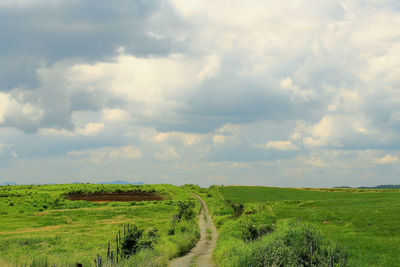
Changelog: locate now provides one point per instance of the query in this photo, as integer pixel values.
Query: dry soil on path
(201, 254)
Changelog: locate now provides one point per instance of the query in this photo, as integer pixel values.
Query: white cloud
(187, 139)
(153, 84)
(55, 132)
(115, 114)
(281, 145)
(92, 128)
(154, 35)
(211, 67)
(168, 154)
(229, 129)
(387, 159)
(4, 102)
(297, 94)
(338, 130)
(312, 160)
(219, 139)
(12, 109)
(108, 153)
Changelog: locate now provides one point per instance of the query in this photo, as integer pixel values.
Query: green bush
(134, 241)
(186, 210)
(253, 232)
(238, 209)
(292, 244)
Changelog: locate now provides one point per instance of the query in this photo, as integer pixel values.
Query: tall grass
(292, 244)
(69, 232)
(362, 222)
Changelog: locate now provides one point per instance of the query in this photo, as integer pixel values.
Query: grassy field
(38, 224)
(364, 223)
(257, 226)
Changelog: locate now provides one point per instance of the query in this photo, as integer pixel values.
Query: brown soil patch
(115, 196)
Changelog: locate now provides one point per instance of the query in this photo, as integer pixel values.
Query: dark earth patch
(116, 196)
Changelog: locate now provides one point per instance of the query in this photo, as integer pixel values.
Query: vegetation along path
(201, 254)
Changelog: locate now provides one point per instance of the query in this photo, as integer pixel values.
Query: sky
(276, 93)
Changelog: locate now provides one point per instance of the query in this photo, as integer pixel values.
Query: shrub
(186, 210)
(292, 244)
(238, 209)
(171, 231)
(253, 232)
(133, 241)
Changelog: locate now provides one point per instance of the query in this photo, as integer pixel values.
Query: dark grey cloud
(89, 30)
(240, 100)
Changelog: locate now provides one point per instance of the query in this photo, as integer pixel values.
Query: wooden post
(108, 251)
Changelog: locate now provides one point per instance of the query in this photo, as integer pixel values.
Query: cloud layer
(291, 93)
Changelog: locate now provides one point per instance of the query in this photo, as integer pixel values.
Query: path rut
(201, 254)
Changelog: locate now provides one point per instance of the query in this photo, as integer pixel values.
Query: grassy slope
(363, 221)
(37, 222)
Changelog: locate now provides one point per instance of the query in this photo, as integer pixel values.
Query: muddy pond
(116, 196)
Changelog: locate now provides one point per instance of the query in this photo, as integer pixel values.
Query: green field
(364, 223)
(257, 226)
(38, 225)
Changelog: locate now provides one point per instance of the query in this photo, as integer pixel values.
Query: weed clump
(292, 244)
(185, 210)
(238, 209)
(253, 232)
(134, 240)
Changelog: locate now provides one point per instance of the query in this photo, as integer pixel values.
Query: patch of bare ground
(201, 254)
(116, 196)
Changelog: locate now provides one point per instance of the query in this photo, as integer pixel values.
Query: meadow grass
(363, 222)
(39, 225)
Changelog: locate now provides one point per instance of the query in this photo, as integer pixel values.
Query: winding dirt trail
(201, 254)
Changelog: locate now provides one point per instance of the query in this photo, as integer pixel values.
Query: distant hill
(387, 186)
(8, 183)
(121, 182)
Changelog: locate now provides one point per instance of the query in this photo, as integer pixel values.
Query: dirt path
(201, 254)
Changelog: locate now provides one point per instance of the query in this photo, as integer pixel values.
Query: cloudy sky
(276, 93)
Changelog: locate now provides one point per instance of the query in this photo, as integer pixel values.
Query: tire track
(201, 254)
